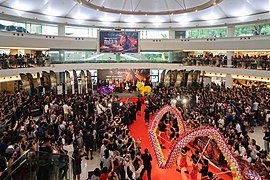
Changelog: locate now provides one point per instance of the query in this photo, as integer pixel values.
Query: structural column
(62, 56)
(231, 30)
(228, 81)
(229, 55)
(171, 34)
(61, 30)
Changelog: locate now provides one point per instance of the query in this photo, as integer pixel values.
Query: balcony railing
(40, 165)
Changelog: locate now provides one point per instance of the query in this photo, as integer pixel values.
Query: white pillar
(231, 30)
(61, 30)
(229, 55)
(171, 34)
(228, 81)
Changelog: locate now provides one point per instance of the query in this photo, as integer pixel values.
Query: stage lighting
(184, 100)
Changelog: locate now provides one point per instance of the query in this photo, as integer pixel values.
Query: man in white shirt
(242, 150)
(100, 109)
(67, 110)
(238, 127)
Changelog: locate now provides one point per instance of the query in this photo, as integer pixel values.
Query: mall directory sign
(118, 42)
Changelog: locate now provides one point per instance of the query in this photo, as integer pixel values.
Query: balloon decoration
(187, 136)
(144, 90)
(107, 90)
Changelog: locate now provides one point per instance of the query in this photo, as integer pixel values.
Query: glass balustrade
(40, 165)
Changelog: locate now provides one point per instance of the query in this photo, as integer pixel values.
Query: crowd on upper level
(101, 123)
(20, 61)
(237, 61)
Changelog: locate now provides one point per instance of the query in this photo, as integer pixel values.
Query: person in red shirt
(183, 162)
(104, 175)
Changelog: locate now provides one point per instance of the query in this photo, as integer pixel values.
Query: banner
(196, 78)
(162, 77)
(173, 78)
(212, 151)
(53, 81)
(75, 80)
(189, 78)
(68, 83)
(25, 83)
(31, 82)
(180, 78)
(125, 75)
(89, 82)
(46, 81)
(83, 82)
(38, 79)
(167, 79)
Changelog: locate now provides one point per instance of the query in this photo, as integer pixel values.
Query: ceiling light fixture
(138, 11)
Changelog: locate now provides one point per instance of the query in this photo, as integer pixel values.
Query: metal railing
(40, 166)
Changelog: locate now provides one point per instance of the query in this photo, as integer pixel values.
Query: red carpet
(139, 130)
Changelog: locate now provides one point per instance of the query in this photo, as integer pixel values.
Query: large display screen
(118, 42)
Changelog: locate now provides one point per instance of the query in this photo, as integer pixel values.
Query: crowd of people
(234, 111)
(237, 61)
(85, 123)
(20, 61)
(91, 123)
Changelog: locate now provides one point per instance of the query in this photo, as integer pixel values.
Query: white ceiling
(72, 12)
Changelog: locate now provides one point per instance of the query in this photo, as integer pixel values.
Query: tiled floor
(90, 165)
(258, 136)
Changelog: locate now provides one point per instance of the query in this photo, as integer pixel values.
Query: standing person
(146, 115)
(147, 158)
(77, 155)
(89, 143)
(139, 106)
(183, 162)
(162, 132)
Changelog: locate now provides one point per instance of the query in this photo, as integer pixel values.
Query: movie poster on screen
(53, 81)
(68, 83)
(46, 81)
(25, 84)
(125, 75)
(89, 82)
(118, 42)
(75, 80)
(31, 82)
(83, 82)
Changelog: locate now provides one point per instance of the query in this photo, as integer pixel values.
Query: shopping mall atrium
(134, 89)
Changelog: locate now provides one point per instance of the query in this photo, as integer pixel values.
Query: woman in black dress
(139, 105)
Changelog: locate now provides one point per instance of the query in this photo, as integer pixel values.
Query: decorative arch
(188, 136)
(154, 126)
